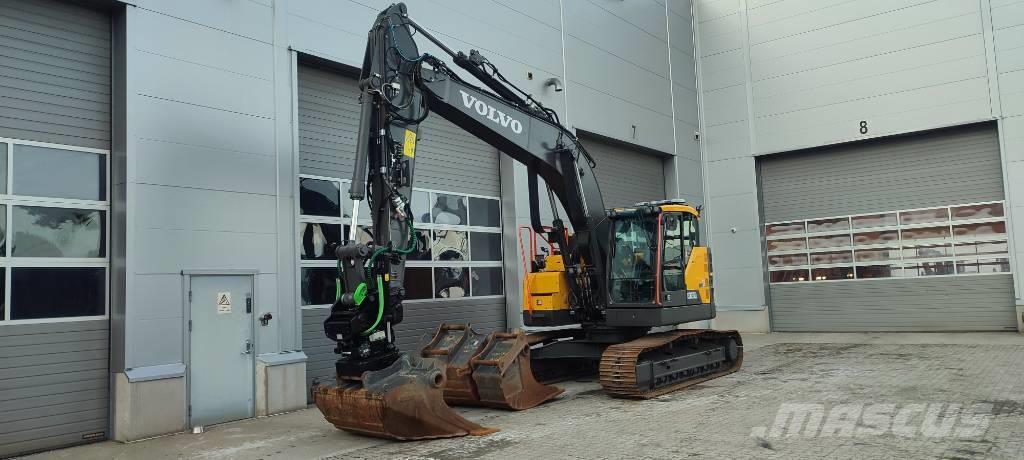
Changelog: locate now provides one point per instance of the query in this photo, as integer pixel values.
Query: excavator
(607, 295)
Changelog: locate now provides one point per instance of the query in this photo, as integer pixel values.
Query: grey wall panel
(1007, 17)
(420, 322)
(626, 176)
(817, 70)
(53, 384)
(958, 303)
(952, 166)
(55, 73)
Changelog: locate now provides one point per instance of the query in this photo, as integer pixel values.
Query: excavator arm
(399, 88)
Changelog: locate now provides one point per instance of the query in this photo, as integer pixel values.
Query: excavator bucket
(403, 402)
(493, 372)
(455, 344)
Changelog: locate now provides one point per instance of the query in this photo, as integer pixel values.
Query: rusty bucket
(502, 373)
(404, 402)
(492, 371)
(454, 345)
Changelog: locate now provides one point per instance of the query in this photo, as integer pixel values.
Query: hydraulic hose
(380, 305)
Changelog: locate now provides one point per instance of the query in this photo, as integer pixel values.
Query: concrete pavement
(973, 379)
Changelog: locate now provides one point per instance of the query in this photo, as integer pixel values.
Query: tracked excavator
(617, 280)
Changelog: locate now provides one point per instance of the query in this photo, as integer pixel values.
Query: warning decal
(409, 149)
(223, 303)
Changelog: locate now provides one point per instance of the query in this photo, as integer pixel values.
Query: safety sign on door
(223, 303)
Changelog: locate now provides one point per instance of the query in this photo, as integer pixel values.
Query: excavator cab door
(683, 260)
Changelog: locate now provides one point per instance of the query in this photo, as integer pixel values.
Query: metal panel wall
(950, 166)
(626, 176)
(940, 168)
(53, 385)
(55, 73)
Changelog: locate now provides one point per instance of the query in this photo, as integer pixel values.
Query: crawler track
(670, 361)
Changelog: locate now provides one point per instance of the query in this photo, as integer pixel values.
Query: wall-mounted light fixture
(555, 82)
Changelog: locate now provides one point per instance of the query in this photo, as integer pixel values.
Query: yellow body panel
(549, 289)
(679, 208)
(698, 275)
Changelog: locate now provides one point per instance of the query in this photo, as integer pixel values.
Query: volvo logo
(491, 113)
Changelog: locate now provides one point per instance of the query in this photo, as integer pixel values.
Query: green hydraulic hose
(380, 305)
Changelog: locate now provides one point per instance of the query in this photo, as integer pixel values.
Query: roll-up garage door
(54, 92)
(899, 234)
(626, 176)
(458, 277)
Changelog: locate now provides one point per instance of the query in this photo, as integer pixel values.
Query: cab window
(678, 240)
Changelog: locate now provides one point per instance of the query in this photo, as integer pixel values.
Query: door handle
(248, 347)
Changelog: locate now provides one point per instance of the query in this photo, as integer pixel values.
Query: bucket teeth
(404, 401)
(493, 371)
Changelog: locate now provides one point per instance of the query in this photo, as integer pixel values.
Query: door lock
(248, 347)
(265, 319)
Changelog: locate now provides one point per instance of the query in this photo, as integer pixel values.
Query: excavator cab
(659, 272)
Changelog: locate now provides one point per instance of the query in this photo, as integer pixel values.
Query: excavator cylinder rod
(403, 402)
(493, 371)
(664, 362)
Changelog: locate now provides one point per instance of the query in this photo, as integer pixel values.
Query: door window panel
(423, 245)
(318, 286)
(978, 211)
(924, 216)
(451, 282)
(449, 209)
(875, 220)
(927, 252)
(833, 241)
(871, 238)
(878, 271)
(828, 225)
(876, 255)
(59, 173)
(58, 232)
(792, 228)
(788, 276)
(450, 245)
(983, 266)
(795, 244)
(484, 212)
(926, 233)
(319, 197)
(485, 246)
(928, 268)
(971, 249)
(785, 260)
(832, 273)
(826, 258)
(315, 240)
(979, 230)
(419, 283)
(486, 280)
(58, 292)
(673, 254)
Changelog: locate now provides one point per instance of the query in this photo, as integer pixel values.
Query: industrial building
(173, 173)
